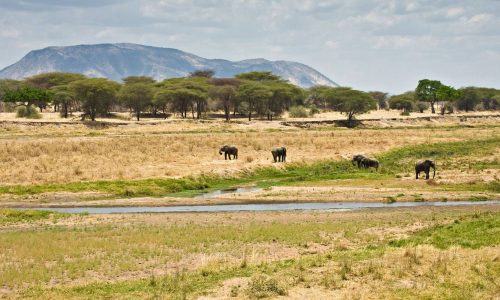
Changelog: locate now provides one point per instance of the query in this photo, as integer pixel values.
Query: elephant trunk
(434, 175)
(220, 152)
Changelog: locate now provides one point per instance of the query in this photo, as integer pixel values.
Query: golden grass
(56, 155)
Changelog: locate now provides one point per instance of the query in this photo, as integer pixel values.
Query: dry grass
(76, 254)
(50, 155)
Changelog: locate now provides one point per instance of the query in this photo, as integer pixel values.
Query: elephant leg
(225, 155)
(426, 174)
(416, 174)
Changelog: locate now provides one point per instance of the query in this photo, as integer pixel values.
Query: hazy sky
(369, 45)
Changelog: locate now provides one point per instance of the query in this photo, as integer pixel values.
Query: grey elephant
(369, 163)
(228, 151)
(279, 154)
(356, 159)
(425, 166)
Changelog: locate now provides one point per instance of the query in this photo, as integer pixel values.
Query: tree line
(252, 94)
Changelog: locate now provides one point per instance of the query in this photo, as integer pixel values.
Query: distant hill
(116, 61)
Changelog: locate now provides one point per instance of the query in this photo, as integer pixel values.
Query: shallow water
(260, 207)
(250, 189)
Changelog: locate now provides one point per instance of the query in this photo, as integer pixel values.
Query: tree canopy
(427, 91)
(97, 95)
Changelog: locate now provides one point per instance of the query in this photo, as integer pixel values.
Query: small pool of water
(249, 189)
(337, 206)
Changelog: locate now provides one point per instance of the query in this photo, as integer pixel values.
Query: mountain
(116, 61)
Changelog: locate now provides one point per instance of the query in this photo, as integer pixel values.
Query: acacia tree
(317, 95)
(380, 97)
(447, 94)
(405, 102)
(138, 79)
(284, 96)
(351, 102)
(97, 95)
(427, 91)
(258, 76)
(185, 94)
(254, 94)
(64, 96)
(137, 96)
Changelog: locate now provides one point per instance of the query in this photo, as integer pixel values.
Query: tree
(380, 97)
(258, 76)
(254, 94)
(138, 79)
(49, 80)
(187, 93)
(97, 95)
(27, 96)
(224, 90)
(136, 95)
(427, 91)
(405, 102)
(317, 95)
(284, 96)
(468, 100)
(490, 98)
(202, 73)
(350, 102)
(447, 94)
(64, 96)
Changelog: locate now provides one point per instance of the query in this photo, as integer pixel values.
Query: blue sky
(369, 45)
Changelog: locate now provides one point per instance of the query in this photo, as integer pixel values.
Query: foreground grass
(393, 163)
(449, 260)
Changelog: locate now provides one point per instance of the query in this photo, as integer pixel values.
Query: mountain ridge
(118, 60)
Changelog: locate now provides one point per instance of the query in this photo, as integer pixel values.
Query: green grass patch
(8, 215)
(473, 232)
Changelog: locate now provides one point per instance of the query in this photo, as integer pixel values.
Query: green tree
(187, 93)
(468, 100)
(138, 79)
(447, 94)
(405, 102)
(65, 97)
(254, 95)
(351, 102)
(380, 97)
(490, 98)
(202, 73)
(224, 91)
(49, 80)
(284, 95)
(317, 95)
(97, 95)
(136, 96)
(427, 91)
(162, 98)
(258, 76)
(27, 96)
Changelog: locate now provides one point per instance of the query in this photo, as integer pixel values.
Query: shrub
(263, 286)
(313, 110)
(422, 106)
(29, 112)
(298, 112)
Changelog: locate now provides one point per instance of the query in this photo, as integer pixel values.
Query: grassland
(410, 253)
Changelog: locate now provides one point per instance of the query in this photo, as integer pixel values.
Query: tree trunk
(432, 107)
(250, 116)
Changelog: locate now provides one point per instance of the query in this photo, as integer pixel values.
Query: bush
(298, 112)
(28, 112)
(313, 110)
(422, 106)
(262, 286)
(405, 113)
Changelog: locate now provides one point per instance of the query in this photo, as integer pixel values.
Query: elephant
(228, 151)
(368, 162)
(356, 159)
(425, 166)
(279, 154)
